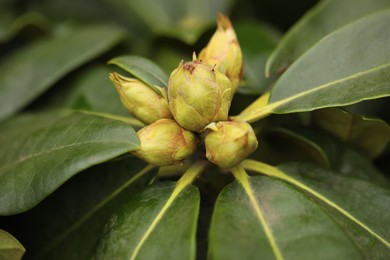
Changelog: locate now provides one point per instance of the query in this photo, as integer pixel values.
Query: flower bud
(164, 142)
(230, 142)
(223, 50)
(198, 95)
(140, 100)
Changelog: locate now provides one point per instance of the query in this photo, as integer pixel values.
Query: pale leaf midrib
(240, 174)
(187, 178)
(274, 172)
(34, 155)
(98, 206)
(273, 105)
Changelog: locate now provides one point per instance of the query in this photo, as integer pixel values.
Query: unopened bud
(165, 143)
(223, 50)
(230, 142)
(198, 95)
(140, 100)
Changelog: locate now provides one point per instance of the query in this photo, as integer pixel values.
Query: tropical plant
(183, 176)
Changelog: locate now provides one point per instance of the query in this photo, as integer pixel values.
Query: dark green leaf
(69, 223)
(305, 145)
(10, 248)
(143, 69)
(354, 213)
(44, 150)
(281, 144)
(299, 227)
(323, 19)
(29, 72)
(185, 20)
(257, 40)
(343, 159)
(369, 135)
(155, 224)
(90, 90)
(10, 26)
(337, 71)
(348, 66)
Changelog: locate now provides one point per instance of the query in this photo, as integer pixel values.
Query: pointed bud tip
(223, 22)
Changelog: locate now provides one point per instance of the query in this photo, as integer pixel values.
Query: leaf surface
(27, 73)
(323, 19)
(355, 210)
(172, 236)
(369, 135)
(182, 19)
(143, 69)
(277, 220)
(44, 150)
(346, 67)
(257, 40)
(69, 224)
(159, 223)
(10, 248)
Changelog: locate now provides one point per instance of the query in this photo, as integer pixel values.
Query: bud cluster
(196, 104)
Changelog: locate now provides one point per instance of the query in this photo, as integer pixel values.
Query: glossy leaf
(10, 248)
(143, 69)
(30, 71)
(69, 223)
(256, 40)
(354, 208)
(44, 150)
(182, 19)
(326, 17)
(338, 71)
(158, 223)
(368, 135)
(173, 236)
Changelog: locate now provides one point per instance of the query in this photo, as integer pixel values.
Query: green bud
(165, 143)
(223, 50)
(198, 95)
(140, 100)
(230, 142)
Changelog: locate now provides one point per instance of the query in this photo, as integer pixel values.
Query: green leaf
(158, 223)
(10, 26)
(368, 135)
(144, 70)
(257, 40)
(27, 73)
(182, 19)
(329, 153)
(172, 218)
(324, 18)
(44, 150)
(282, 144)
(91, 90)
(354, 212)
(69, 223)
(348, 66)
(10, 248)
